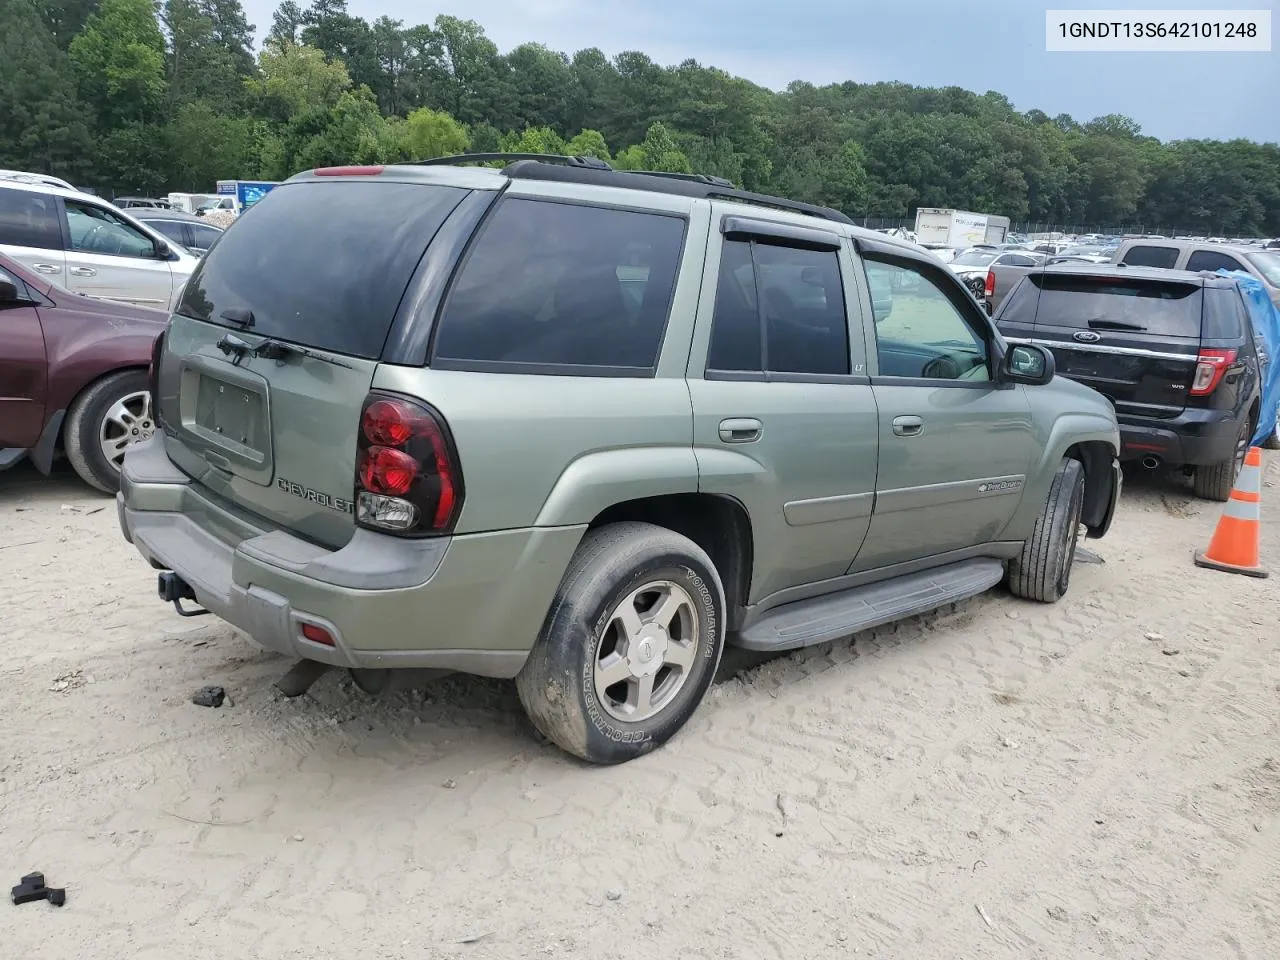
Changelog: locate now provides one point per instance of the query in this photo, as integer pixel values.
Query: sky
(980, 45)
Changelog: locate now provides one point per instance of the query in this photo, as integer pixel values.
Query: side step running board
(822, 619)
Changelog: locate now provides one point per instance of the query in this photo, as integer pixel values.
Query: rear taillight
(1210, 367)
(153, 374)
(989, 288)
(407, 476)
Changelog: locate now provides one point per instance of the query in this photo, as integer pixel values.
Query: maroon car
(73, 376)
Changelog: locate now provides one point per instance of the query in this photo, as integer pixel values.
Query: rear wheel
(1042, 571)
(630, 645)
(1214, 481)
(1273, 442)
(103, 422)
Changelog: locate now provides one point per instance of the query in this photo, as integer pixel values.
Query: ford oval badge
(1086, 336)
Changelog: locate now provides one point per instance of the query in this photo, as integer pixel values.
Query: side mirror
(163, 250)
(8, 292)
(1029, 364)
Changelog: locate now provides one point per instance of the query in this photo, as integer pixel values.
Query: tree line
(131, 96)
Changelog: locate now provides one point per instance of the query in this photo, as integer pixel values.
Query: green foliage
(430, 133)
(43, 126)
(119, 61)
(145, 95)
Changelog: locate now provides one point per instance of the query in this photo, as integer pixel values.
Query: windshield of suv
(975, 258)
(321, 264)
(1125, 305)
(1268, 265)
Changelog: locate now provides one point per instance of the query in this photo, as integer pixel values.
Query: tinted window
(564, 284)
(170, 229)
(202, 236)
(322, 264)
(974, 259)
(1137, 306)
(97, 230)
(1212, 260)
(29, 220)
(925, 334)
(779, 309)
(1019, 307)
(1224, 313)
(1141, 256)
(1018, 260)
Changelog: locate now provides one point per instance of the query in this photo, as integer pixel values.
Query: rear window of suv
(563, 287)
(323, 265)
(1120, 304)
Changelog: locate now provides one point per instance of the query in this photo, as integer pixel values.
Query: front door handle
(83, 272)
(47, 268)
(740, 430)
(908, 426)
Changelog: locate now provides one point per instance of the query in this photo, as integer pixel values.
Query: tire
(584, 642)
(98, 417)
(1042, 571)
(1273, 442)
(1214, 481)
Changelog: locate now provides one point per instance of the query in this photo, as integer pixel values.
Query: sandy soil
(1099, 778)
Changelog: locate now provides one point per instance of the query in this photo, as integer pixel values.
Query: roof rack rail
(589, 163)
(592, 170)
(692, 177)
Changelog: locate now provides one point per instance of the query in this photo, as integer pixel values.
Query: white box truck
(959, 228)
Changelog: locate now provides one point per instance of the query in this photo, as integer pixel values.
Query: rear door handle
(83, 272)
(740, 430)
(908, 426)
(47, 268)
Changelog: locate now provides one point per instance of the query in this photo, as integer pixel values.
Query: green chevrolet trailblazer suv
(582, 428)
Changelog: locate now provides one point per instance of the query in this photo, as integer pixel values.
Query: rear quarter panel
(84, 341)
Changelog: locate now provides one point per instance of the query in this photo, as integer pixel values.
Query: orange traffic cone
(1234, 547)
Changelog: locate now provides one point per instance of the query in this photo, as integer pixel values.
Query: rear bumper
(1195, 438)
(471, 603)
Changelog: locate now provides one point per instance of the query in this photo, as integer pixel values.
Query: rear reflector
(317, 634)
(1211, 365)
(371, 171)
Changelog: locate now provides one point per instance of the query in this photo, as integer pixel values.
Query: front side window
(924, 334)
(171, 229)
(95, 230)
(1268, 264)
(779, 310)
(1213, 261)
(29, 219)
(565, 285)
(1147, 256)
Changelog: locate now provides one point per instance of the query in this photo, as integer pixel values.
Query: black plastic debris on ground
(209, 697)
(32, 888)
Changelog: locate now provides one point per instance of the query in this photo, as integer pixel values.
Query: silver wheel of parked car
(109, 415)
(645, 653)
(126, 421)
(630, 645)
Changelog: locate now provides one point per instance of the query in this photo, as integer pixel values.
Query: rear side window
(779, 309)
(322, 265)
(1019, 307)
(1224, 314)
(1212, 260)
(1148, 256)
(1120, 305)
(563, 285)
(29, 220)
(170, 228)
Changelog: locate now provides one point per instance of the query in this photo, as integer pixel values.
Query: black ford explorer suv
(1173, 351)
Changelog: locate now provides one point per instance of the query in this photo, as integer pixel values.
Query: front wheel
(630, 645)
(103, 422)
(1042, 571)
(1273, 442)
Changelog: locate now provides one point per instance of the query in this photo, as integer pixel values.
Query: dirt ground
(1099, 778)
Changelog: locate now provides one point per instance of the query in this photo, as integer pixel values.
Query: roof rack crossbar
(591, 163)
